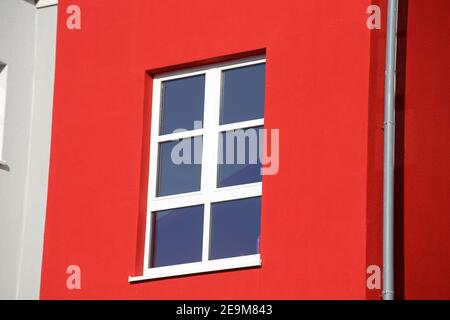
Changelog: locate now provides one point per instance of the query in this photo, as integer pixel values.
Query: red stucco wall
(324, 93)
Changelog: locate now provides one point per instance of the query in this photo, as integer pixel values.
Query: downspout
(389, 144)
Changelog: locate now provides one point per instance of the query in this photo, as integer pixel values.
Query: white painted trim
(199, 267)
(3, 90)
(153, 168)
(46, 3)
(241, 125)
(221, 65)
(209, 193)
(241, 63)
(184, 74)
(196, 198)
(180, 135)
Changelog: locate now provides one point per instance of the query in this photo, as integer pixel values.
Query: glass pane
(179, 166)
(182, 103)
(243, 91)
(239, 157)
(235, 228)
(177, 236)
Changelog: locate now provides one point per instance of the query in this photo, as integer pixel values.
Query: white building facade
(27, 68)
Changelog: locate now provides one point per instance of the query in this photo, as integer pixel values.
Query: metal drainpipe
(389, 144)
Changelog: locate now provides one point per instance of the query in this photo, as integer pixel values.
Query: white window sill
(199, 267)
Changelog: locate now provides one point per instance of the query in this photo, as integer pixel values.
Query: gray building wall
(27, 46)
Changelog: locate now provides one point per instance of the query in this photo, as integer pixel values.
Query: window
(3, 78)
(204, 193)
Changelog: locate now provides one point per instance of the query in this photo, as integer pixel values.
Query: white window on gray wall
(3, 82)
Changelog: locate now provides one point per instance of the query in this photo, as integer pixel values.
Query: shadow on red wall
(399, 221)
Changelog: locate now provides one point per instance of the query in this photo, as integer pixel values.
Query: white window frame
(209, 192)
(3, 89)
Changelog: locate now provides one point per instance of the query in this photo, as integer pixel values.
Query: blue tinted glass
(239, 157)
(182, 103)
(235, 228)
(243, 91)
(177, 236)
(179, 166)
